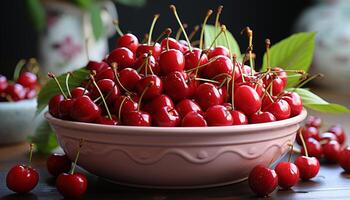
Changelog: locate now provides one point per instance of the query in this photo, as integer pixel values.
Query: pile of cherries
(314, 147)
(173, 83)
(23, 87)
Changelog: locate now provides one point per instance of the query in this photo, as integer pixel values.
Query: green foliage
(37, 14)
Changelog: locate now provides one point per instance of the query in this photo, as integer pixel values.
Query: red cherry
(108, 88)
(281, 74)
(145, 48)
(267, 101)
(307, 132)
(193, 119)
(16, 91)
(159, 102)
(128, 105)
(137, 118)
(64, 108)
(313, 121)
(194, 59)
(84, 110)
(247, 100)
(207, 95)
(326, 137)
(30, 93)
(78, 92)
(122, 56)
(71, 186)
(154, 90)
(218, 51)
(262, 117)
(97, 66)
(146, 63)
(28, 80)
(277, 84)
(129, 77)
(3, 83)
(166, 117)
(238, 117)
(105, 120)
(280, 109)
(331, 151)
(262, 180)
(173, 44)
(54, 104)
(308, 167)
(288, 174)
(185, 106)
(314, 148)
(295, 103)
(58, 163)
(221, 65)
(171, 60)
(129, 41)
(175, 86)
(339, 132)
(105, 74)
(218, 115)
(22, 179)
(344, 159)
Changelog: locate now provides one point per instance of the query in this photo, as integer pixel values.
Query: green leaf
(96, 21)
(36, 13)
(83, 3)
(50, 89)
(210, 34)
(314, 102)
(136, 3)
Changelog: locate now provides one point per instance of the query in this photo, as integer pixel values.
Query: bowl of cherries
(17, 105)
(172, 114)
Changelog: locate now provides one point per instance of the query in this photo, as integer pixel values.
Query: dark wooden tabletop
(331, 183)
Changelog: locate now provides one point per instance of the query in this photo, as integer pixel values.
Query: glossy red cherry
(308, 166)
(129, 41)
(64, 108)
(97, 66)
(262, 180)
(154, 90)
(16, 92)
(71, 186)
(280, 109)
(247, 100)
(30, 93)
(175, 86)
(344, 159)
(261, 117)
(146, 64)
(3, 83)
(28, 80)
(159, 102)
(276, 83)
(108, 88)
(193, 119)
(137, 118)
(282, 74)
(194, 59)
(173, 44)
(171, 60)
(54, 104)
(238, 117)
(326, 137)
(307, 132)
(22, 179)
(185, 106)
(219, 51)
(129, 77)
(166, 117)
(122, 56)
(58, 163)
(339, 132)
(84, 110)
(78, 92)
(220, 65)
(314, 148)
(105, 74)
(207, 95)
(105, 120)
(288, 174)
(313, 121)
(295, 103)
(331, 151)
(125, 104)
(218, 115)
(145, 48)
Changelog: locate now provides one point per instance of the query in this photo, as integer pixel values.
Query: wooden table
(331, 182)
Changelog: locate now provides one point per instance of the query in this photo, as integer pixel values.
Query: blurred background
(20, 38)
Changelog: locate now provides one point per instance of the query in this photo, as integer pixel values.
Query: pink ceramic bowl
(175, 157)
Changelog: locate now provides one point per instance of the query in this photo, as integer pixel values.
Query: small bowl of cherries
(18, 103)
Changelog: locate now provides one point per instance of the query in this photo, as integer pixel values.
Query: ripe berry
(238, 117)
(344, 159)
(129, 41)
(193, 119)
(195, 58)
(16, 91)
(313, 121)
(262, 117)
(219, 51)
(218, 115)
(247, 100)
(262, 180)
(171, 60)
(54, 104)
(339, 132)
(22, 179)
(108, 88)
(145, 48)
(154, 90)
(64, 108)
(97, 66)
(308, 167)
(207, 95)
(3, 83)
(166, 117)
(280, 109)
(71, 186)
(331, 151)
(314, 148)
(173, 44)
(84, 110)
(215, 70)
(295, 103)
(175, 86)
(159, 102)
(122, 56)
(129, 77)
(185, 106)
(58, 163)
(288, 174)
(307, 132)
(28, 80)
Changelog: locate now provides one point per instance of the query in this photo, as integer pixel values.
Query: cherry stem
(143, 93)
(223, 29)
(203, 28)
(19, 66)
(165, 32)
(101, 95)
(222, 74)
(308, 80)
(155, 18)
(117, 28)
(233, 82)
(268, 43)
(179, 31)
(173, 8)
(219, 10)
(145, 38)
(303, 142)
(208, 63)
(51, 75)
(120, 107)
(227, 43)
(77, 156)
(290, 152)
(114, 67)
(86, 86)
(193, 33)
(167, 39)
(31, 148)
(206, 80)
(67, 84)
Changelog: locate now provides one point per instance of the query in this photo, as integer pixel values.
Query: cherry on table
(331, 150)
(307, 132)
(193, 119)
(314, 121)
(326, 137)
(288, 174)
(339, 132)
(314, 148)
(344, 158)
(58, 163)
(308, 166)
(262, 180)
